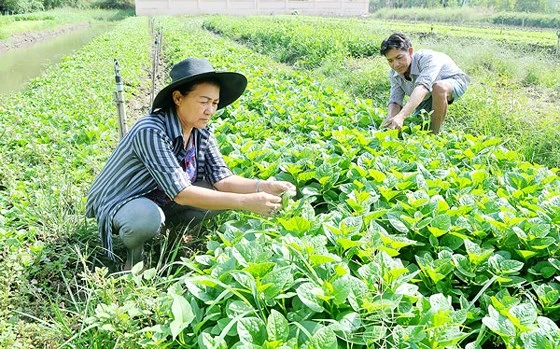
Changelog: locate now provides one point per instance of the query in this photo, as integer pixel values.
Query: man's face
(399, 60)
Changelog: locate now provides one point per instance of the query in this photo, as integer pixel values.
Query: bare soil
(139, 104)
(29, 38)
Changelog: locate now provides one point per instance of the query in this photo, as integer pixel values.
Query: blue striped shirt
(148, 156)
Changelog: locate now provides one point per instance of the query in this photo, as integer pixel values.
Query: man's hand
(395, 122)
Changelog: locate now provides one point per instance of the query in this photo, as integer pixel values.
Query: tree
(531, 5)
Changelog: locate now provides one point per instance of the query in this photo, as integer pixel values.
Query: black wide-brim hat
(232, 85)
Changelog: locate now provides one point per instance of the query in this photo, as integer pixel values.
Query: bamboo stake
(156, 51)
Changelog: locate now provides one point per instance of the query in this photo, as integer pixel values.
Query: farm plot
(510, 96)
(23, 29)
(394, 240)
(55, 136)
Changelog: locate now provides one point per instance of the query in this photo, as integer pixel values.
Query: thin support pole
(155, 61)
(558, 44)
(119, 101)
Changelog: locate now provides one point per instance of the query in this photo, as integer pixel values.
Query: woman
(167, 167)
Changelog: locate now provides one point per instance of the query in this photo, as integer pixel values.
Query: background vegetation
(46, 20)
(470, 15)
(26, 6)
(548, 6)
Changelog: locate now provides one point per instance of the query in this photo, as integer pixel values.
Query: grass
(460, 15)
(52, 19)
(44, 236)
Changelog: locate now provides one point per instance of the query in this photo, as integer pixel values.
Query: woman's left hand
(277, 187)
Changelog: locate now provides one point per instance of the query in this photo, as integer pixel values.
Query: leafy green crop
(393, 239)
(55, 135)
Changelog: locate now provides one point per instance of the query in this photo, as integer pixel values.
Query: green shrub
(115, 4)
(539, 20)
(21, 6)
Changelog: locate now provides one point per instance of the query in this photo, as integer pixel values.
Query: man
(431, 79)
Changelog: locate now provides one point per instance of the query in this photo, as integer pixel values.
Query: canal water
(19, 65)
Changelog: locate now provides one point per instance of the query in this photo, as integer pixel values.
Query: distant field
(16, 24)
(511, 96)
(476, 16)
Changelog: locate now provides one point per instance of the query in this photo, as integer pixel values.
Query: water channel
(19, 65)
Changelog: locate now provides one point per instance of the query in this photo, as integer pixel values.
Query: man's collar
(414, 69)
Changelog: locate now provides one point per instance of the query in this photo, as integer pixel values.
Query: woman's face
(197, 106)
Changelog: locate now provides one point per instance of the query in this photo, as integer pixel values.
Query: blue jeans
(141, 219)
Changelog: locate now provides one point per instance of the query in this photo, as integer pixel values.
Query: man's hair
(397, 41)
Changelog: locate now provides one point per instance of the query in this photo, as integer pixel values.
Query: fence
(252, 7)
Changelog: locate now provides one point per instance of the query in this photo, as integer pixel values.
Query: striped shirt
(149, 157)
(427, 67)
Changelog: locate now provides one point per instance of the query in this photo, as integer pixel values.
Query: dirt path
(139, 104)
(29, 38)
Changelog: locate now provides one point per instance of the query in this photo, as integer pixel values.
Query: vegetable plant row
(56, 134)
(303, 38)
(394, 240)
(499, 97)
(296, 40)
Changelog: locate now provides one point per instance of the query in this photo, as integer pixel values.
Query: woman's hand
(277, 187)
(263, 203)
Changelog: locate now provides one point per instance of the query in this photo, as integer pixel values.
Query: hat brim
(232, 86)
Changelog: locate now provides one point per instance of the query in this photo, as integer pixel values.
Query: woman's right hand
(263, 203)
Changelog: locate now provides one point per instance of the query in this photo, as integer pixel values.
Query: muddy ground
(30, 38)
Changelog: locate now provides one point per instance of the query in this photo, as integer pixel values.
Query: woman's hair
(191, 85)
(397, 41)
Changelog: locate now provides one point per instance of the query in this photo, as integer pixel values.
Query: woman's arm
(240, 185)
(262, 203)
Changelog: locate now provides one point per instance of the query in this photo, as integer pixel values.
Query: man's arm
(414, 101)
(396, 120)
(394, 109)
